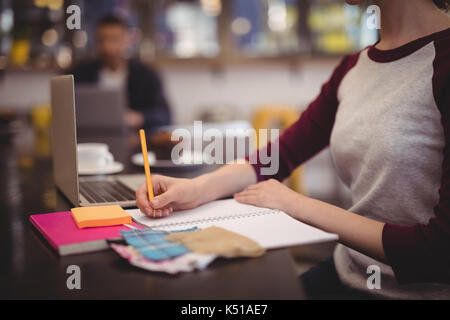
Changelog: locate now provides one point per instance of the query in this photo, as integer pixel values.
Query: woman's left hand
(269, 194)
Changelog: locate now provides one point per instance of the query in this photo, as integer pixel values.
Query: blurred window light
(212, 7)
(50, 4)
(186, 31)
(270, 27)
(277, 16)
(241, 26)
(40, 3)
(6, 20)
(338, 28)
(64, 57)
(55, 4)
(49, 37)
(187, 28)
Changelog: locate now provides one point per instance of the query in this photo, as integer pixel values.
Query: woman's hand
(170, 194)
(180, 194)
(270, 194)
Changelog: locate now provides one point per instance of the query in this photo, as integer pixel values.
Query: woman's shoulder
(346, 63)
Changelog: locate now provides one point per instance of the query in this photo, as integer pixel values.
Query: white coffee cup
(94, 155)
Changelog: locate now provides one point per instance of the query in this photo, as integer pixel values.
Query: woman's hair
(443, 4)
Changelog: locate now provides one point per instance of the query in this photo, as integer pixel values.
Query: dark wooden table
(31, 269)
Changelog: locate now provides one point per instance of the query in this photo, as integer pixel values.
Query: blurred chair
(41, 116)
(279, 117)
(20, 52)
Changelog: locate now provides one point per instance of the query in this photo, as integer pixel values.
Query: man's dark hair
(443, 4)
(112, 20)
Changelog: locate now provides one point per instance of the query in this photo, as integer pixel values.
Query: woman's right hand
(170, 194)
(181, 194)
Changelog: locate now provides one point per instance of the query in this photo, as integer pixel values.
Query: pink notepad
(66, 238)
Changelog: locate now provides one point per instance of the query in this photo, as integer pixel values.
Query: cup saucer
(114, 167)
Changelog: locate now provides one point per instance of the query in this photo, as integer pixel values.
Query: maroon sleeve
(311, 133)
(421, 253)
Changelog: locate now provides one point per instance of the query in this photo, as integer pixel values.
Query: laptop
(93, 102)
(81, 191)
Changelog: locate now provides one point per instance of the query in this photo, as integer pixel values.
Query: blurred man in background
(147, 105)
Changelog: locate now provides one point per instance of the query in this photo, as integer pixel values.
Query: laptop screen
(64, 137)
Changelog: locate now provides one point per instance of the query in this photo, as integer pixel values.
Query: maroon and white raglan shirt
(386, 116)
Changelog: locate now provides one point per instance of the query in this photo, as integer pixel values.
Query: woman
(385, 113)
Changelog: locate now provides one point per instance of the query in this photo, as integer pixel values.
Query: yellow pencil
(146, 165)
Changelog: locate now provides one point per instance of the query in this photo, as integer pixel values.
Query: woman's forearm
(357, 232)
(225, 181)
(360, 233)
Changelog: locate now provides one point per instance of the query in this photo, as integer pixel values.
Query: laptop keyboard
(106, 191)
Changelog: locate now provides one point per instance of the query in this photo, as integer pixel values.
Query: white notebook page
(270, 228)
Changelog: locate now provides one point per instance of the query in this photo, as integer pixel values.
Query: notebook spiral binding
(220, 218)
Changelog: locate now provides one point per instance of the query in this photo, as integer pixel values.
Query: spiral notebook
(270, 228)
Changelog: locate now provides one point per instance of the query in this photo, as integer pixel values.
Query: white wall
(241, 88)
(19, 90)
(192, 90)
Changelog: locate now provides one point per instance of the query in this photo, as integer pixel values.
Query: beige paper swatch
(219, 241)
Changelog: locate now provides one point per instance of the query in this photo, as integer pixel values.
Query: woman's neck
(404, 21)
